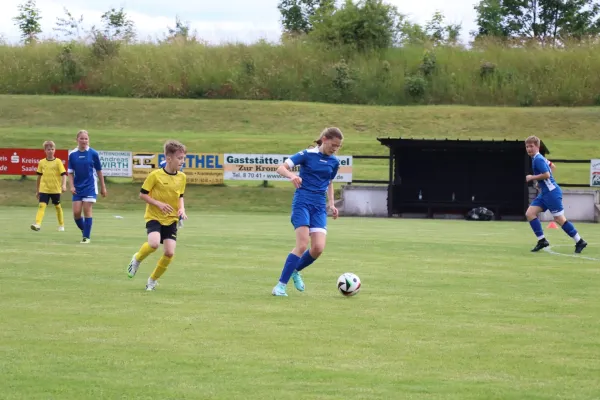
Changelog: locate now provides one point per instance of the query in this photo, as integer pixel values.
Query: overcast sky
(215, 21)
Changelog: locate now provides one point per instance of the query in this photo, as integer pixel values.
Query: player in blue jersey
(84, 172)
(318, 167)
(549, 198)
(162, 164)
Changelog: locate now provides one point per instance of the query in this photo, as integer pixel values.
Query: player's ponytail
(329, 133)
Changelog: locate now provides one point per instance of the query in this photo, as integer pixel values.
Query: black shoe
(579, 246)
(540, 245)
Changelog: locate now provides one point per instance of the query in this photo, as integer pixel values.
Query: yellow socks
(144, 252)
(40, 213)
(161, 267)
(59, 215)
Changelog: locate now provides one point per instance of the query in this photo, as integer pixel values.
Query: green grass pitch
(448, 310)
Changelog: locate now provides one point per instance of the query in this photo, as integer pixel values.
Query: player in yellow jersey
(51, 182)
(163, 192)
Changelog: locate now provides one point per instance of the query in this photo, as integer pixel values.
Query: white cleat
(151, 285)
(61, 228)
(35, 227)
(133, 266)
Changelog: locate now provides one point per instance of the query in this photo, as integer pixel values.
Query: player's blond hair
(49, 143)
(81, 132)
(173, 146)
(329, 133)
(533, 140)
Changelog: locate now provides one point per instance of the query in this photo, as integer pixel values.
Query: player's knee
(317, 249)
(169, 253)
(154, 244)
(301, 247)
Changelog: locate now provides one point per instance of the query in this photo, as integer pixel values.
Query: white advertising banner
(263, 167)
(116, 163)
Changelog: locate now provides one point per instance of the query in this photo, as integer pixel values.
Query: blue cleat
(298, 282)
(279, 290)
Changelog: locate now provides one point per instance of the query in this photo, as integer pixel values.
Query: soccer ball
(348, 284)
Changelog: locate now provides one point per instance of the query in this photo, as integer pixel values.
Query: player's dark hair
(329, 133)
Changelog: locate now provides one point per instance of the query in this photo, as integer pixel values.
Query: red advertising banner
(25, 161)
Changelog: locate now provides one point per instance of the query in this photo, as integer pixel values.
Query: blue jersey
(83, 165)
(541, 165)
(164, 162)
(317, 170)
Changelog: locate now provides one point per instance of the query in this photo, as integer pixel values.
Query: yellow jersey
(51, 172)
(166, 188)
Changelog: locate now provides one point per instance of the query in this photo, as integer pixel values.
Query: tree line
(367, 24)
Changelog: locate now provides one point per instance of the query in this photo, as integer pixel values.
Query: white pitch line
(550, 251)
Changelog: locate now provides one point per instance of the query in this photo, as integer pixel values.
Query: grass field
(448, 310)
(286, 127)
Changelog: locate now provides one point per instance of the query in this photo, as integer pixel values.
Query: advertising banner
(199, 168)
(142, 165)
(25, 161)
(263, 167)
(595, 172)
(116, 163)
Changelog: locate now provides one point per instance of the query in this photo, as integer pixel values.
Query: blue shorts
(550, 201)
(88, 198)
(312, 215)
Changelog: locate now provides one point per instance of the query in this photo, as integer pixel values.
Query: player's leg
(60, 217)
(318, 234)
(77, 209)
(169, 239)
(153, 228)
(537, 206)
(88, 204)
(558, 212)
(300, 219)
(39, 216)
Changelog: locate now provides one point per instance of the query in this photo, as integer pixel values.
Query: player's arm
(40, 172)
(181, 211)
(145, 195)
(540, 165)
(37, 185)
(98, 168)
(70, 173)
(181, 203)
(63, 177)
(331, 193)
(285, 169)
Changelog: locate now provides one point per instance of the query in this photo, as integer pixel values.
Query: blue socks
(568, 227)
(79, 223)
(288, 268)
(305, 261)
(536, 226)
(570, 230)
(87, 227)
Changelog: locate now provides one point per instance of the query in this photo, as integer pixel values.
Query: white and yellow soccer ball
(348, 284)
